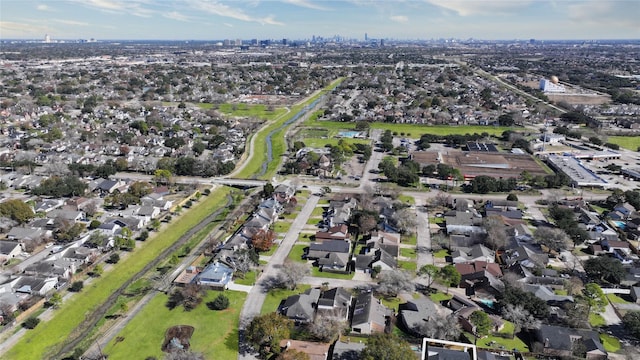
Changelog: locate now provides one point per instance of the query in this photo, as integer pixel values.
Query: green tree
(55, 300)
(449, 276)
(113, 258)
(482, 323)
(76, 286)
(162, 176)
(631, 321)
(604, 268)
(594, 296)
(267, 190)
(266, 331)
(387, 347)
(430, 272)
(221, 302)
(16, 210)
(198, 147)
(31, 323)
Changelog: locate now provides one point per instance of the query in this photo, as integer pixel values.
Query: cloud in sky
(485, 7)
(43, 7)
(220, 9)
(176, 16)
(71, 22)
(134, 7)
(399, 18)
(306, 4)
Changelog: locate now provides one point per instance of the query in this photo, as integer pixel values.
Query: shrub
(219, 303)
(76, 286)
(31, 323)
(114, 258)
(512, 197)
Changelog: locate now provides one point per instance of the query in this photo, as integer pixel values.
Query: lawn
(282, 227)
(441, 254)
(611, 344)
(318, 211)
(245, 110)
(628, 142)
(315, 272)
(296, 253)
(616, 299)
(392, 303)
(407, 199)
(270, 251)
(215, 335)
(409, 239)
(249, 278)
(324, 202)
(48, 337)
(596, 320)
(408, 252)
(497, 342)
(410, 266)
(275, 296)
(259, 155)
(439, 296)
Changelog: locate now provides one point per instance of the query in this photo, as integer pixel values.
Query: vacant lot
(628, 142)
(215, 335)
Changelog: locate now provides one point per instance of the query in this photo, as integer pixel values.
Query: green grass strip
(42, 341)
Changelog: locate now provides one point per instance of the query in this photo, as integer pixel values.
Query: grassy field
(275, 296)
(497, 342)
(392, 303)
(245, 110)
(628, 142)
(413, 131)
(278, 146)
(441, 254)
(407, 199)
(596, 320)
(296, 253)
(610, 343)
(318, 211)
(45, 339)
(320, 143)
(215, 334)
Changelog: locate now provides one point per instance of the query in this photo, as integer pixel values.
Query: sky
(302, 19)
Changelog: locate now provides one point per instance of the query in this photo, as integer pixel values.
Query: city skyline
(302, 19)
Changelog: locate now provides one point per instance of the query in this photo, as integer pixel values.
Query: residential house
(283, 193)
(413, 314)
(340, 209)
(625, 209)
(67, 215)
(62, 268)
(22, 234)
(80, 254)
(335, 302)
(439, 353)
(524, 255)
(47, 205)
(314, 350)
(215, 275)
(546, 294)
(387, 241)
(369, 315)
(347, 350)
(561, 341)
(339, 232)
(463, 222)
(107, 186)
(318, 250)
(9, 250)
(613, 246)
(480, 275)
(34, 285)
(477, 252)
(301, 308)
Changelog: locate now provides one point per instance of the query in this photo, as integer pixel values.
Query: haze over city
(302, 19)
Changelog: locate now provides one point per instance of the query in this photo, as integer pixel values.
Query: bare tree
(553, 238)
(327, 328)
(520, 318)
(441, 199)
(292, 273)
(393, 282)
(496, 232)
(442, 327)
(405, 220)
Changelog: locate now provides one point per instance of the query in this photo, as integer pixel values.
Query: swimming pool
(487, 302)
(619, 224)
(349, 134)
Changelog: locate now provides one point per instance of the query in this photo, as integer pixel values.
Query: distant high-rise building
(285, 42)
(366, 37)
(47, 38)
